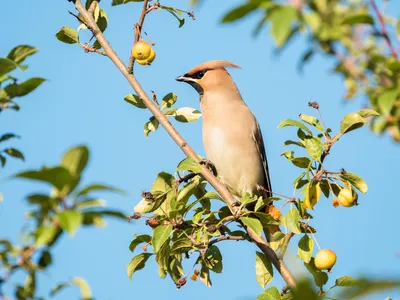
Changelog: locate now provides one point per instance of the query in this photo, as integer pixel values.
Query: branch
(383, 28)
(180, 141)
(220, 239)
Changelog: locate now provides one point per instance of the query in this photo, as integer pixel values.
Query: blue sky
(82, 103)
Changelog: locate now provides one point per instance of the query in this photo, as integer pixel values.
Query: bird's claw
(208, 163)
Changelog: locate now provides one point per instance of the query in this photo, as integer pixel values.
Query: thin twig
(384, 32)
(184, 146)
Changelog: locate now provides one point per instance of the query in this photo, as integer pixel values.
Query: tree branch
(180, 141)
(383, 28)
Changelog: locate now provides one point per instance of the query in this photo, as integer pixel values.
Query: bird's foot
(208, 163)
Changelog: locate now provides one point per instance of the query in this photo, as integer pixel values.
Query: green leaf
(281, 20)
(168, 100)
(187, 114)
(312, 194)
(295, 123)
(253, 224)
(213, 259)
(20, 53)
(345, 281)
(306, 245)
(86, 293)
(301, 162)
(241, 11)
(137, 263)
(181, 245)
(100, 187)
(45, 235)
(70, 220)
(14, 153)
(22, 89)
(356, 181)
(313, 121)
(189, 164)
(320, 278)
(314, 147)
(271, 293)
(67, 35)
(144, 238)
(8, 136)
(277, 236)
(176, 13)
(45, 259)
(351, 122)
(359, 19)
(57, 176)
(135, 100)
(160, 236)
(264, 271)
(386, 101)
(365, 113)
(75, 160)
(365, 287)
(90, 203)
(102, 20)
(150, 126)
(6, 66)
(292, 221)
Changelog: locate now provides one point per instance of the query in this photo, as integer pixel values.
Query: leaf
(277, 236)
(75, 160)
(187, 114)
(351, 122)
(365, 113)
(213, 259)
(241, 11)
(150, 126)
(313, 121)
(45, 259)
(45, 235)
(189, 164)
(86, 293)
(312, 195)
(70, 220)
(365, 287)
(102, 20)
(144, 238)
(90, 203)
(57, 176)
(137, 263)
(301, 162)
(22, 89)
(205, 276)
(135, 100)
(281, 20)
(14, 153)
(271, 293)
(306, 245)
(252, 223)
(386, 101)
(356, 181)
(168, 100)
(99, 187)
(320, 278)
(6, 66)
(176, 13)
(264, 271)
(314, 147)
(20, 53)
(295, 123)
(345, 281)
(358, 19)
(292, 221)
(67, 35)
(160, 236)
(8, 136)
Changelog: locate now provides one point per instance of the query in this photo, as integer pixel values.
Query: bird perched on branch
(231, 134)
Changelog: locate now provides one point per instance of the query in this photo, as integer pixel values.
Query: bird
(232, 137)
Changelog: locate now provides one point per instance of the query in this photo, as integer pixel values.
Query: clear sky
(82, 102)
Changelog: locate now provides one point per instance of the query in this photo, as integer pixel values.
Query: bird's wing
(258, 139)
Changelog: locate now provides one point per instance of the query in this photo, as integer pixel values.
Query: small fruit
(325, 259)
(335, 202)
(152, 56)
(142, 62)
(347, 197)
(141, 50)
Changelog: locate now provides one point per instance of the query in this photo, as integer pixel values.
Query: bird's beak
(181, 78)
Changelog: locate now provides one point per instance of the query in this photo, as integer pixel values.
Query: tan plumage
(231, 135)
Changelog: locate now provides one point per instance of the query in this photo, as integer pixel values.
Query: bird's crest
(213, 65)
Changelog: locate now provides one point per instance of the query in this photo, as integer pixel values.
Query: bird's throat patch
(197, 87)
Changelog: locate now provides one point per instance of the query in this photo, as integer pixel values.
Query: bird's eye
(200, 74)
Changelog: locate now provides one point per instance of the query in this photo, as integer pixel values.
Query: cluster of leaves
(357, 36)
(63, 210)
(183, 114)
(187, 222)
(11, 88)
